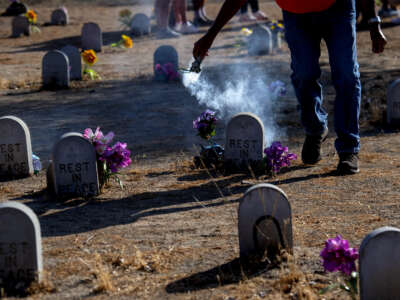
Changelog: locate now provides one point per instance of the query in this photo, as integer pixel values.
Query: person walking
(306, 24)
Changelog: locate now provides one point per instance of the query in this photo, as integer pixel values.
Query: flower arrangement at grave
(212, 154)
(125, 42)
(277, 26)
(32, 19)
(125, 17)
(168, 70)
(241, 40)
(37, 165)
(277, 157)
(338, 256)
(110, 159)
(90, 58)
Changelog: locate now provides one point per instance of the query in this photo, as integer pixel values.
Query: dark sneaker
(311, 153)
(348, 164)
(199, 22)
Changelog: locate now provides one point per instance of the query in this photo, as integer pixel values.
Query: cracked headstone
(92, 37)
(60, 17)
(265, 221)
(20, 245)
(140, 25)
(55, 70)
(393, 103)
(380, 264)
(260, 41)
(15, 148)
(75, 61)
(20, 25)
(73, 171)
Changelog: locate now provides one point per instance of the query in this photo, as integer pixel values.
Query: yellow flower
(126, 13)
(32, 17)
(246, 31)
(89, 57)
(127, 41)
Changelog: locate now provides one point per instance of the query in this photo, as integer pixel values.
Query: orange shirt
(305, 6)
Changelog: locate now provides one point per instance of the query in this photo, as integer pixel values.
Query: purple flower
(98, 139)
(277, 88)
(337, 256)
(117, 157)
(168, 70)
(205, 124)
(278, 157)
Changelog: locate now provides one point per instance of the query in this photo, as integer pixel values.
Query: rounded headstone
(15, 9)
(380, 265)
(74, 167)
(260, 41)
(244, 139)
(55, 69)
(265, 221)
(20, 25)
(15, 148)
(20, 245)
(165, 55)
(393, 103)
(92, 37)
(75, 61)
(60, 17)
(140, 25)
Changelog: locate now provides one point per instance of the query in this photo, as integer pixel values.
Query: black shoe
(311, 153)
(348, 164)
(202, 22)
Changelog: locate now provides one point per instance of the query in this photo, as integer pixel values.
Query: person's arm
(377, 37)
(228, 10)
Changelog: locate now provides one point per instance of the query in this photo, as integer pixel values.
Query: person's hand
(378, 39)
(201, 47)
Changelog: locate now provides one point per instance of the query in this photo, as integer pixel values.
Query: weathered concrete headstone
(20, 245)
(165, 55)
(60, 17)
(74, 167)
(55, 69)
(244, 139)
(260, 41)
(380, 265)
(140, 25)
(393, 103)
(15, 9)
(15, 148)
(75, 61)
(92, 37)
(20, 25)
(265, 221)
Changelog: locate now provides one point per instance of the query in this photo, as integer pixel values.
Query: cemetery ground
(171, 233)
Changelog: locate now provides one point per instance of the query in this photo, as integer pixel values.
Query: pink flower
(98, 139)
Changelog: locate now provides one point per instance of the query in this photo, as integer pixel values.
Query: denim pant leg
(340, 37)
(304, 41)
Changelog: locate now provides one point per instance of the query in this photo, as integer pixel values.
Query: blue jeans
(304, 33)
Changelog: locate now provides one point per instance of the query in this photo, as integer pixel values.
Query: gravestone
(20, 245)
(74, 167)
(75, 61)
(265, 221)
(260, 41)
(393, 103)
(140, 25)
(165, 55)
(15, 148)
(244, 139)
(20, 25)
(55, 70)
(15, 9)
(92, 37)
(60, 17)
(380, 265)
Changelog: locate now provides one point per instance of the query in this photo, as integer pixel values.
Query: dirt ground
(172, 232)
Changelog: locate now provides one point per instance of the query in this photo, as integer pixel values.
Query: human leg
(162, 9)
(181, 23)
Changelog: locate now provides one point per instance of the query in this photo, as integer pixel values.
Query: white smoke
(242, 88)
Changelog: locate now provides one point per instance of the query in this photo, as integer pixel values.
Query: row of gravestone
(264, 226)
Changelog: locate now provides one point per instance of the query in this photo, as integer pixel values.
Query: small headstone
(74, 167)
(140, 25)
(92, 37)
(60, 17)
(55, 70)
(244, 139)
(20, 245)
(75, 61)
(15, 148)
(393, 103)
(380, 265)
(162, 56)
(15, 9)
(20, 25)
(260, 41)
(265, 221)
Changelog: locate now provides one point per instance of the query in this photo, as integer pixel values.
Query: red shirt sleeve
(305, 6)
